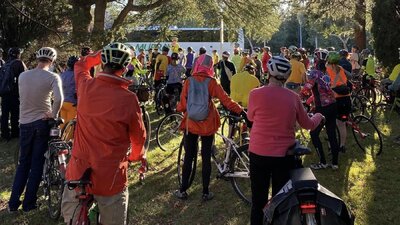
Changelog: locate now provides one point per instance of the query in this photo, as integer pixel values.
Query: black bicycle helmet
(174, 56)
(249, 67)
(71, 61)
(14, 51)
(165, 49)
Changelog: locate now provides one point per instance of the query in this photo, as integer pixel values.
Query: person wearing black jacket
(225, 77)
(10, 101)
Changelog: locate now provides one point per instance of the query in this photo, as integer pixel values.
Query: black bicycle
(56, 158)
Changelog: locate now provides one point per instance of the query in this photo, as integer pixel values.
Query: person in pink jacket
(274, 111)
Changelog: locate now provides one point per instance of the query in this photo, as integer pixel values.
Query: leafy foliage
(386, 31)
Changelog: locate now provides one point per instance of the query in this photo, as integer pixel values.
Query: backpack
(198, 99)
(7, 80)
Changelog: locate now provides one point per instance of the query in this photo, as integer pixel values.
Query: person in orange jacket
(206, 129)
(109, 122)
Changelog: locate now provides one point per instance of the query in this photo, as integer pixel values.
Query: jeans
(330, 113)
(191, 148)
(262, 170)
(9, 110)
(33, 144)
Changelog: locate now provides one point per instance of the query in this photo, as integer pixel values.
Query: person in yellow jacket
(175, 45)
(246, 59)
(236, 59)
(242, 83)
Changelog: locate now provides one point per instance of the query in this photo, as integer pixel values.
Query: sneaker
(181, 195)
(335, 167)
(207, 197)
(318, 166)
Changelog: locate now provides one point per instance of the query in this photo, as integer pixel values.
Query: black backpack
(7, 80)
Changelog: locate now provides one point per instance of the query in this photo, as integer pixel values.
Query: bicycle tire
(147, 124)
(361, 105)
(159, 104)
(235, 133)
(167, 131)
(369, 93)
(181, 157)
(372, 146)
(55, 186)
(241, 185)
(67, 133)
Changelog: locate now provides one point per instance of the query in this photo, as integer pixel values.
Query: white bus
(210, 38)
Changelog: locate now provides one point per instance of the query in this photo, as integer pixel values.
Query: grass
(369, 185)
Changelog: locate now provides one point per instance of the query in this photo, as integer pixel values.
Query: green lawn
(369, 185)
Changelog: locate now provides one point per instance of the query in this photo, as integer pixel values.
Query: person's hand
(243, 114)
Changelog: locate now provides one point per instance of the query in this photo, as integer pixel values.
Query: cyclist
(258, 67)
(338, 79)
(265, 58)
(274, 111)
(10, 101)
(319, 85)
(105, 152)
(175, 45)
(242, 83)
(298, 73)
(68, 109)
(175, 71)
(355, 60)
(227, 69)
(161, 66)
(142, 57)
(236, 59)
(182, 57)
(203, 70)
(189, 61)
(246, 59)
(345, 63)
(304, 58)
(215, 57)
(36, 88)
(86, 50)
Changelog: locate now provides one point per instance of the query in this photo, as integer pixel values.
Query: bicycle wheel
(361, 105)
(159, 102)
(146, 121)
(369, 93)
(240, 169)
(181, 157)
(168, 131)
(367, 135)
(55, 187)
(231, 129)
(67, 134)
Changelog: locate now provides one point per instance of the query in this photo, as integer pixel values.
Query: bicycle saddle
(84, 180)
(303, 178)
(298, 149)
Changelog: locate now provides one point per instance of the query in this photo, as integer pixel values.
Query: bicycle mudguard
(303, 178)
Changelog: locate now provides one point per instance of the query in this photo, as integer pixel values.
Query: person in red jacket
(109, 121)
(206, 129)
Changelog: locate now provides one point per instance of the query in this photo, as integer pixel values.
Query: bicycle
(168, 130)
(232, 162)
(56, 158)
(304, 201)
(234, 127)
(67, 133)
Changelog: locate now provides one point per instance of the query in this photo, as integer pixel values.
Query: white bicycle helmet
(48, 53)
(116, 53)
(279, 67)
(292, 49)
(321, 54)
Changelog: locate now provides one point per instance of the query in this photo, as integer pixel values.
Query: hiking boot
(181, 195)
(207, 197)
(318, 166)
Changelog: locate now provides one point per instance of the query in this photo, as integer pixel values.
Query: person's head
(283, 49)
(165, 50)
(256, 49)
(202, 50)
(174, 58)
(150, 50)
(279, 68)
(14, 53)
(115, 57)
(180, 50)
(292, 49)
(236, 51)
(296, 55)
(225, 55)
(250, 69)
(321, 54)
(174, 39)
(46, 55)
(344, 53)
(141, 51)
(355, 49)
(254, 56)
(86, 51)
(333, 58)
(266, 49)
(190, 49)
(245, 53)
(155, 50)
(302, 51)
(71, 61)
(204, 65)
(214, 52)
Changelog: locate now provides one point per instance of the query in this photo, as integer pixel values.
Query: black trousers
(330, 113)
(262, 170)
(191, 148)
(9, 111)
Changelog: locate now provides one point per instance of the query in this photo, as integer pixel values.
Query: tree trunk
(359, 28)
(81, 19)
(99, 15)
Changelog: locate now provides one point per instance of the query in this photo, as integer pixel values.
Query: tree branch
(136, 8)
(35, 21)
